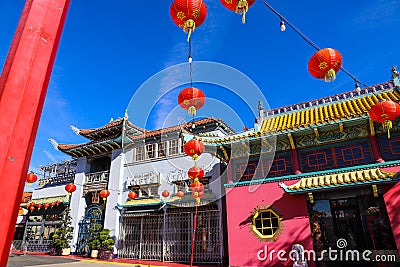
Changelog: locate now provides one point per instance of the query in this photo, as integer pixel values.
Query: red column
(296, 163)
(23, 86)
(375, 149)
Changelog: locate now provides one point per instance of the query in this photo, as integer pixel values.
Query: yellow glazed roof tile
(326, 113)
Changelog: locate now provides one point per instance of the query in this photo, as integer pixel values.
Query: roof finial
(54, 143)
(395, 73)
(76, 130)
(260, 105)
(126, 116)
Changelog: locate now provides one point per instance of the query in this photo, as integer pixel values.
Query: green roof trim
(312, 174)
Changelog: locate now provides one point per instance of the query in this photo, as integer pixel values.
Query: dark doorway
(357, 221)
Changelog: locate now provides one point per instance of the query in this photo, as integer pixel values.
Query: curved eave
(92, 148)
(337, 186)
(110, 129)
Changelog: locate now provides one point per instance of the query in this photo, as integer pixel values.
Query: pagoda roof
(104, 142)
(184, 127)
(327, 113)
(104, 145)
(110, 129)
(349, 106)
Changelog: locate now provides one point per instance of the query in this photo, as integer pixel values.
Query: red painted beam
(23, 86)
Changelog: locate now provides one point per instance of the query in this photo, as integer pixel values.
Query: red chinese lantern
(324, 64)
(46, 206)
(241, 7)
(180, 194)
(188, 14)
(191, 99)
(32, 204)
(70, 188)
(58, 202)
(32, 208)
(31, 178)
(132, 195)
(104, 194)
(39, 206)
(194, 148)
(199, 194)
(385, 112)
(197, 187)
(52, 204)
(165, 193)
(195, 173)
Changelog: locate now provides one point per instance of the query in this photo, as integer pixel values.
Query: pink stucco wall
(243, 246)
(391, 195)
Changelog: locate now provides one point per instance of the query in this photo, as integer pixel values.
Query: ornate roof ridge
(152, 133)
(330, 99)
(85, 132)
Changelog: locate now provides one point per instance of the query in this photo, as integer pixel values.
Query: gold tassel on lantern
(192, 110)
(387, 125)
(242, 6)
(330, 75)
(189, 27)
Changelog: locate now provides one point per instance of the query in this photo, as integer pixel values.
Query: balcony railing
(96, 182)
(97, 177)
(55, 180)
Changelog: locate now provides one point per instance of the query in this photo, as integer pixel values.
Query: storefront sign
(144, 179)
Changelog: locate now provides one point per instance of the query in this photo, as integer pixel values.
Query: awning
(142, 202)
(360, 177)
(63, 199)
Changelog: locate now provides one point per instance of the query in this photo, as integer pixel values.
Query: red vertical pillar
(296, 164)
(295, 157)
(23, 86)
(375, 149)
(374, 143)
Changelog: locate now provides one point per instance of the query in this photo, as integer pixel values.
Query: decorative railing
(97, 177)
(95, 182)
(55, 180)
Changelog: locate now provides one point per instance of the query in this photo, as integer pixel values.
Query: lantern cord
(194, 234)
(308, 40)
(190, 63)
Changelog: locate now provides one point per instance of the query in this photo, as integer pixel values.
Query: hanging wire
(308, 40)
(190, 58)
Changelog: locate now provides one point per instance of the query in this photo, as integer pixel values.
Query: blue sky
(108, 49)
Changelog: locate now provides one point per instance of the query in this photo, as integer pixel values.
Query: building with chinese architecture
(313, 176)
(157, 225)
(319, 174)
